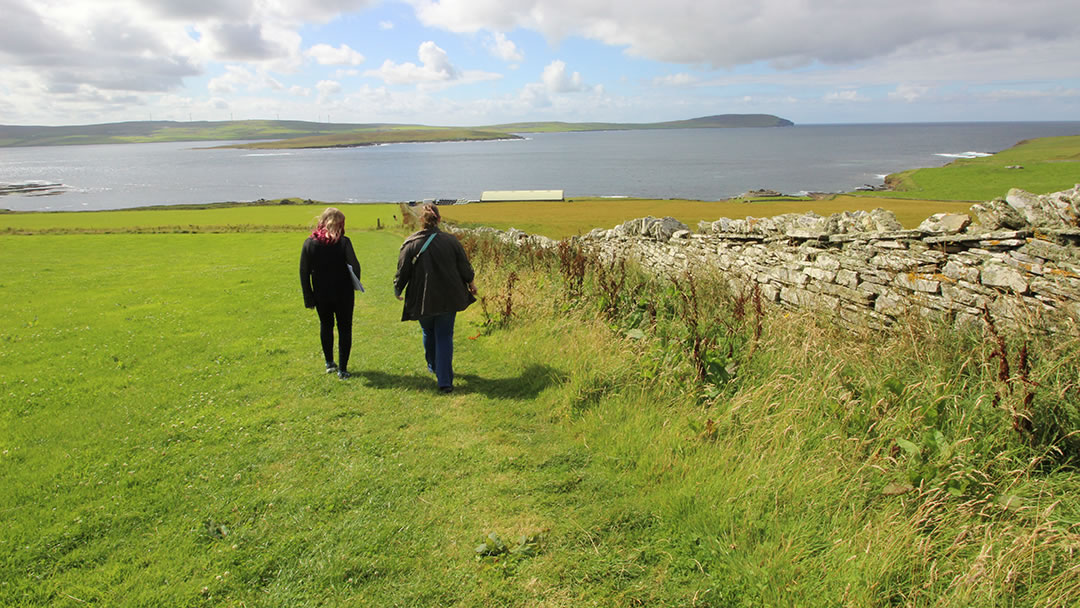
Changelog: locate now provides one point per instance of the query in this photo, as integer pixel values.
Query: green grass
(579, 216)
(325, 134)
(371, 138)
(167, 437)
(199, 218)
(1050, 164)
(165, 131)
(167, 428)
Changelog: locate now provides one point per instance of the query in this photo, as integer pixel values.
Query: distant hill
(718, 121)
(162, 131)
(336, 134)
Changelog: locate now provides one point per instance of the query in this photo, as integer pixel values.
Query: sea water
(703, 164)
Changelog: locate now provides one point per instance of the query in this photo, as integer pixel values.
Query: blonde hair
(331, 223)
(429, 217)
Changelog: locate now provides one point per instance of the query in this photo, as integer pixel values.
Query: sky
(480, 62)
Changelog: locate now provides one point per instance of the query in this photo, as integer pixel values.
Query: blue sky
(476, 62)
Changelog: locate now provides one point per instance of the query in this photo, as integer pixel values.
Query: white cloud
(435, 69)
(535, 95)
(846, 96)
(434, 66)
(243, 42)
(1032, 94)
(327, 88)
(324, 54)
(557, 79)
(909, 92)
(239, 78)
(84, 60)
(560, 89)
(504, 48)
(675, 80)
(786, 33)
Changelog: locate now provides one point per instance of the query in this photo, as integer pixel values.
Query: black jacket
(438, 281)
(323, 276)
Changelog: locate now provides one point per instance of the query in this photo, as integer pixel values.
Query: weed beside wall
(798, 460)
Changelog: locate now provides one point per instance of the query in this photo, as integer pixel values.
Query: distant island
(285, 134)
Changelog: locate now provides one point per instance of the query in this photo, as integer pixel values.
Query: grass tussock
(790, 460)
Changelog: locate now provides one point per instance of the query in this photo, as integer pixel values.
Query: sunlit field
(578, 216)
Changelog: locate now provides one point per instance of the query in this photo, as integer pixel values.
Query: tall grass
(790, 460)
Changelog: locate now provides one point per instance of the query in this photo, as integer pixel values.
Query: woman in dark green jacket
(435, 275)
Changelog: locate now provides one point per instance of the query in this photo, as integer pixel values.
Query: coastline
(702, 164)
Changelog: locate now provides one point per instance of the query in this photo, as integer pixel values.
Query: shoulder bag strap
(424, 248)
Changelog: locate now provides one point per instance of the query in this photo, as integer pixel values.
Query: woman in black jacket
(435, 274)
(328, 286)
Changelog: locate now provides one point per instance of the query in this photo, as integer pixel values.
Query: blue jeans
(439, 346)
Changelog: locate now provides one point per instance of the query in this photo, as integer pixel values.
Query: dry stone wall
(1017, 257)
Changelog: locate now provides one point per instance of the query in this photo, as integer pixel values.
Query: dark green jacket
(437, 282)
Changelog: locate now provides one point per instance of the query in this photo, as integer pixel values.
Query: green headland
(300, 134)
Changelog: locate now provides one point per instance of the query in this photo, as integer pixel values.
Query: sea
(699, 164)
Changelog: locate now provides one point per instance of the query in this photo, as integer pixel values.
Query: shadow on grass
(527, 385)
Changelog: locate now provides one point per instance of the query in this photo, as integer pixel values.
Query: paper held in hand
(357, 285)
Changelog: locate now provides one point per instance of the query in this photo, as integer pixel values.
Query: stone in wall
(945, 223)
(1020, 259)
(1048, 211)
(996, 215)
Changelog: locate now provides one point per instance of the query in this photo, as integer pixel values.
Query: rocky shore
(34, 188)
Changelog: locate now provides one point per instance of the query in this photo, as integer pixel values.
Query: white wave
(963, 154)
(881, 176)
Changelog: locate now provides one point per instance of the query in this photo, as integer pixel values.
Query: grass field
(578, 216)
(323, 134)
(553, 219)
(220, 218)
(168, 438)
(371, 138)
(1048, 164)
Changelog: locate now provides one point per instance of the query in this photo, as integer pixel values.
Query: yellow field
(171, 219)
(578, 216)
(553, 219)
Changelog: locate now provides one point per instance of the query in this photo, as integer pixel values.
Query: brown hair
(429, 217)
(331, 225)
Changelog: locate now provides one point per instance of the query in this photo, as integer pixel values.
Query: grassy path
(169, 438)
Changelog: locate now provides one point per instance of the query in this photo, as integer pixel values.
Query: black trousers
(342, 310)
